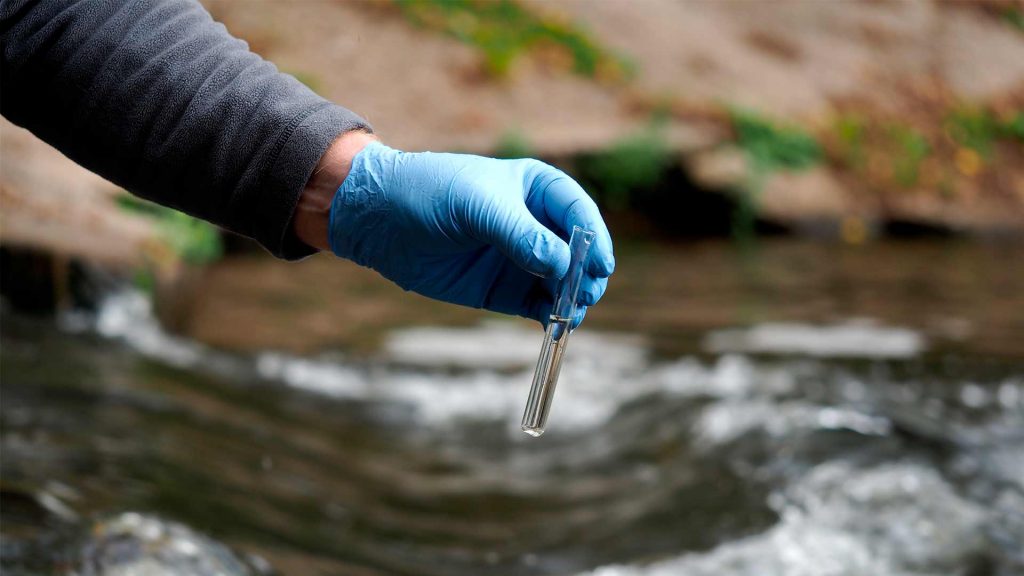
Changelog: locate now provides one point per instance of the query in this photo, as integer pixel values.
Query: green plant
(513, 144)
(973, 128)
(638, 161)
(1013, 127)
(194, 241)
(770, 146)
(850, 133)
(144, 280)
(912, 148)
(1014, 17)
(744, 215)
(503, 30)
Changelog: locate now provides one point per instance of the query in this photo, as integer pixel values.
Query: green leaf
(771, 146)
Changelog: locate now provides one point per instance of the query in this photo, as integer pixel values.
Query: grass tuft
(770, 146)
(636, 162)
(503, 30)
(191, 239)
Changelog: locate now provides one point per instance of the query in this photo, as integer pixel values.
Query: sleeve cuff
(290, 172)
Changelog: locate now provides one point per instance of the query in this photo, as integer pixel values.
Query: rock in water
(133, 544)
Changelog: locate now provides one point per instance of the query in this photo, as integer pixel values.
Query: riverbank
(905, 112)
(852, 121)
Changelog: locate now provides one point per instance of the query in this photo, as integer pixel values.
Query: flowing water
(803, 410)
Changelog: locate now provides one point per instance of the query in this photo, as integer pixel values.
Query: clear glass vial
(556, 337)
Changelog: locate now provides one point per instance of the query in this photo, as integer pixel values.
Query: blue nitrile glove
(470, 230)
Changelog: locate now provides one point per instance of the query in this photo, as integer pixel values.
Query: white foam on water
(601, 373)
(127, 315)
(498, 345)
(895, 519)
(892, 520)
(861, 339)
(480, 396)
(1006, 463)
(321, 377)
(730, 376)
(597, 377)
(723, 422)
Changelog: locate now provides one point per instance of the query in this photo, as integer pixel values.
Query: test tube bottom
(549, 364)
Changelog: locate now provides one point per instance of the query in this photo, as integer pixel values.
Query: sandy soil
(419, 89)
(789, 58)
(793, 58)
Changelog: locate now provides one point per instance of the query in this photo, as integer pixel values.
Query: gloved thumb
(532, 246)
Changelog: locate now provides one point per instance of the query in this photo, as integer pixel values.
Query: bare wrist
(312, 214)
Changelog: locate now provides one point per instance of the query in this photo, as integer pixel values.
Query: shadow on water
(797, 441)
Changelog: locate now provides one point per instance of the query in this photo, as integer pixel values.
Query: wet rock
(133, 544)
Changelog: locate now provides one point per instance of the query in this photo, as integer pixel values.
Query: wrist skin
(312, 213)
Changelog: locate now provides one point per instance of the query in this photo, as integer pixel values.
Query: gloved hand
(470, 230)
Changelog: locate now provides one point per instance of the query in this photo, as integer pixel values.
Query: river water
(800, 409)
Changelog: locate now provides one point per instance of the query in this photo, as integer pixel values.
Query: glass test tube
(556, 338)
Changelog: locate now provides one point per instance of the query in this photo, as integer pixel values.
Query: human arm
(158, 98)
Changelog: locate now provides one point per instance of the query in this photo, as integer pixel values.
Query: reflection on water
(836, 446)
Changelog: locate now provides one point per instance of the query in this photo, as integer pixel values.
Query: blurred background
(810, 359)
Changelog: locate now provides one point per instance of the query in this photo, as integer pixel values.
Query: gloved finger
(539, 309)
(566, 205)
(565, 198)
(524, 240)
(591, 290)
(581, 312)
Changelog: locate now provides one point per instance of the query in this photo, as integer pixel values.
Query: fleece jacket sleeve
(157, 97)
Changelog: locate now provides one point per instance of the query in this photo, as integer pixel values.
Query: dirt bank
(810, 64)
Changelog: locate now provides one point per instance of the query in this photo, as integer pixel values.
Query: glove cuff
(360, 204)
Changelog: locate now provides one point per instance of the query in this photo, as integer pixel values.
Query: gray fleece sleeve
(158, 98)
